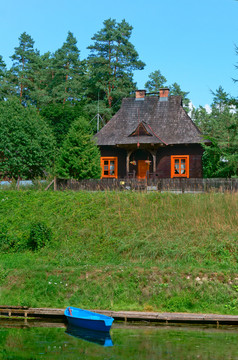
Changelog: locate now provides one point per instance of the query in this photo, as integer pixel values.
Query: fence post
(55, 183)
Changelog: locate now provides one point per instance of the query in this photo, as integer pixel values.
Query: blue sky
(192, 42)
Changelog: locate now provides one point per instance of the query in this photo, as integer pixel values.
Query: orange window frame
(106, 165)
(177, 159)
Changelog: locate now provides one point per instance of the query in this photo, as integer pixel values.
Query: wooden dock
(27, 312)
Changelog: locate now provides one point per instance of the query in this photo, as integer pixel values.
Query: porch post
(153, 153)
(128, 161)
(154, 161)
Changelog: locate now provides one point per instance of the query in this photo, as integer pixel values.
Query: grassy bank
(130, 251)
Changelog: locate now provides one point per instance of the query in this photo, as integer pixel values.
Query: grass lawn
(121, 251)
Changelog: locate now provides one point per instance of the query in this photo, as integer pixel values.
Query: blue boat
(88, 319)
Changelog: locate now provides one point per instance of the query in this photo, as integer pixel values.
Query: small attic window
(140, 131)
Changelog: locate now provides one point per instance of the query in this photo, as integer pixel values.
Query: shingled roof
(150, 120)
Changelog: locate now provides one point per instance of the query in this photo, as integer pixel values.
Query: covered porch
(141, 163)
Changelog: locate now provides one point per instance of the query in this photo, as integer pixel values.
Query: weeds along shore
(119, 250)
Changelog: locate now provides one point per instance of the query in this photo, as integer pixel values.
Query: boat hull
(102, 338)
(88, 320)
(98, 325)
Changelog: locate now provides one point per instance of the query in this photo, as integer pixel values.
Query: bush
(40, 236)
(6, 241)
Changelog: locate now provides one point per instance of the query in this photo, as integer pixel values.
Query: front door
(143, 167)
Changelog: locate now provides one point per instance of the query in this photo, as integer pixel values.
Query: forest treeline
(43, 95)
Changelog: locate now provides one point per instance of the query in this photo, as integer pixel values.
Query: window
(180, 166)
(109, 167)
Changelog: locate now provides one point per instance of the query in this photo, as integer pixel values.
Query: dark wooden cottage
(151, 136)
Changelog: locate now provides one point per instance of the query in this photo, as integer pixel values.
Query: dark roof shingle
(166, 121)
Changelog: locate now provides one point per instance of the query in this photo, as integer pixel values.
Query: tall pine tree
(4, 87)
(22, 71)
(40, 80)
(175, 89)
(112, 60)
(155, 82)
(67, 72)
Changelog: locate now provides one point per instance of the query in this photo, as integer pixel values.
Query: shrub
(40, 236)
(6, 241)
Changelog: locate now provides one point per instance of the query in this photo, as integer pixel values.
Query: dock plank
(125, 315)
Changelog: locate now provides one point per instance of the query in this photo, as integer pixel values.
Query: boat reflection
(98, 337)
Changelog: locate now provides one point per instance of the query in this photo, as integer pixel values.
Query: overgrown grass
(131, 251)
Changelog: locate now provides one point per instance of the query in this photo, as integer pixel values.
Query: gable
(140, 131)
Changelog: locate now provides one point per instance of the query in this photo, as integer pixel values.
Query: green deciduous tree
(26, 142)
(60, 118)
(221, 128)
(79, 157)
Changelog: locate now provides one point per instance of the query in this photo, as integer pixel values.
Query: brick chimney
(140, 94)
(164, 94)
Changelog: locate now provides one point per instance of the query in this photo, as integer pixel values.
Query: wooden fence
(173, 185)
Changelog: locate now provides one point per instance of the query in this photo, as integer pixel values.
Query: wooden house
(151, 136)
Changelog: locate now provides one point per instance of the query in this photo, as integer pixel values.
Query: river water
(41, 340)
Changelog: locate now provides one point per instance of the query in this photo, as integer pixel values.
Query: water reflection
(97, 337)
(38, 340)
